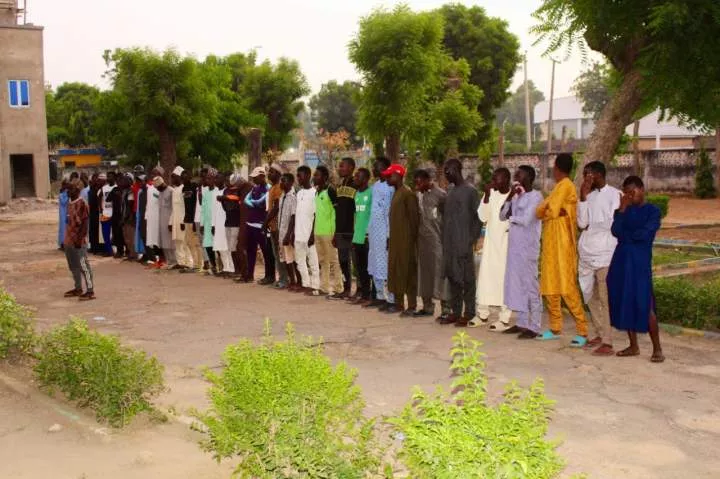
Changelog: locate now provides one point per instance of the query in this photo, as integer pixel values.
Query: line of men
(401, 244)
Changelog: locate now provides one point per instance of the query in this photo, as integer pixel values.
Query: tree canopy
(162, 93)
(399, 55)
(173, 108)
(492, 53)
(594, 88)
(664, 51)
(334, 108)
(71, 114)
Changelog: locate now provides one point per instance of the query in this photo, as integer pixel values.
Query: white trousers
(307, 255)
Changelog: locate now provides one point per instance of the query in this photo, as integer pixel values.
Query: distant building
(24, 161)
(81, 157)
(570, 122)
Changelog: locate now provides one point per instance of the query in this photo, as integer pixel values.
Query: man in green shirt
(361, 248)
(325, 202)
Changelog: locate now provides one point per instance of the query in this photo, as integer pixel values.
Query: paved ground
(618, 417)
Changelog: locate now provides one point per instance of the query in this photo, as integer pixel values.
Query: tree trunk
(615, 117)
(636, 148)
(392, 147)
(168, 148)
(255, 153)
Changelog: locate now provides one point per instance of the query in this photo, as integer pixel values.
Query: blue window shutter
(13, 91)
(24, 93)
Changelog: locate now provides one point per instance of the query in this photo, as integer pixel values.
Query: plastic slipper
(548, 336)
(578, 342)
(499, 327)
(475, 323)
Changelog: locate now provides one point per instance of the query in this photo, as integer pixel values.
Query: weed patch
(96, 371)
(455, 434)
(17, 335)
(286, 411)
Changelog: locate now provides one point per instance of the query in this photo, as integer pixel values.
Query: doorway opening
(23, 184)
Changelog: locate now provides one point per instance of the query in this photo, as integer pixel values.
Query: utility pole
(549, 128)
(528, 122)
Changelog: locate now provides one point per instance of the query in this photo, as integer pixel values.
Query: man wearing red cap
(402, 248)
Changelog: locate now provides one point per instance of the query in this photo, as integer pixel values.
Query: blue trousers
(107, 234)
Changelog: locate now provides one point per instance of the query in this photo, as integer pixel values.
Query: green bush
(458, 434)
(687, 303)
(286, 411)
(704, 183)
(115, 381)
(661, 201)
(17, 335)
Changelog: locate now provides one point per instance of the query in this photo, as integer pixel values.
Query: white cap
(257, 172)
(178, 170)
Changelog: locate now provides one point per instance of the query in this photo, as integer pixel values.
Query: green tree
(158, 101)
(513, 110)
(275, 92)
(492, 53)
(400, 55)
(594, 88)
(72, 114)
(663, 50)
(334, 108)
(225, 138)
(453, 113)
(704, 186)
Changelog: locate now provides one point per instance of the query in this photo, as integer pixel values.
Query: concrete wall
(23, 130)
(668, 171)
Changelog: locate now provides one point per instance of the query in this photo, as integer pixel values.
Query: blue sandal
(548, 336)
(578, 342)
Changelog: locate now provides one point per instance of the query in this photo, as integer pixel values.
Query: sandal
(627, 353)
(604, 350)
(578, 342)
(73, 293)
(499, 327)
(657, 358)
(548, 336)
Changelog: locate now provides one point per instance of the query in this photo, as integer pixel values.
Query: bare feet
(657, 357)
(627, 352)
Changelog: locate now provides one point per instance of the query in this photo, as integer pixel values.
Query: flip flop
(548, 336)
(475, 323)
(627, 353)
(499, 327)
(578, 342)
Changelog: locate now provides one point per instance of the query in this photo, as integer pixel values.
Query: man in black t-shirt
(344, 223)
(190, 197)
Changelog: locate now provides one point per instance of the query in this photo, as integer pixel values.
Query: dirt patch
(684, 210)
(614, 415)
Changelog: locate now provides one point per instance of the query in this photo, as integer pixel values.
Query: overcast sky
(314, 32)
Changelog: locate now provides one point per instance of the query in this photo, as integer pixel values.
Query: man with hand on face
(402, 247)
(176, 224)
(521, 289)
(598, 202)
(363, 203)
(559, 261)
(491, 280)
(629, 281)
